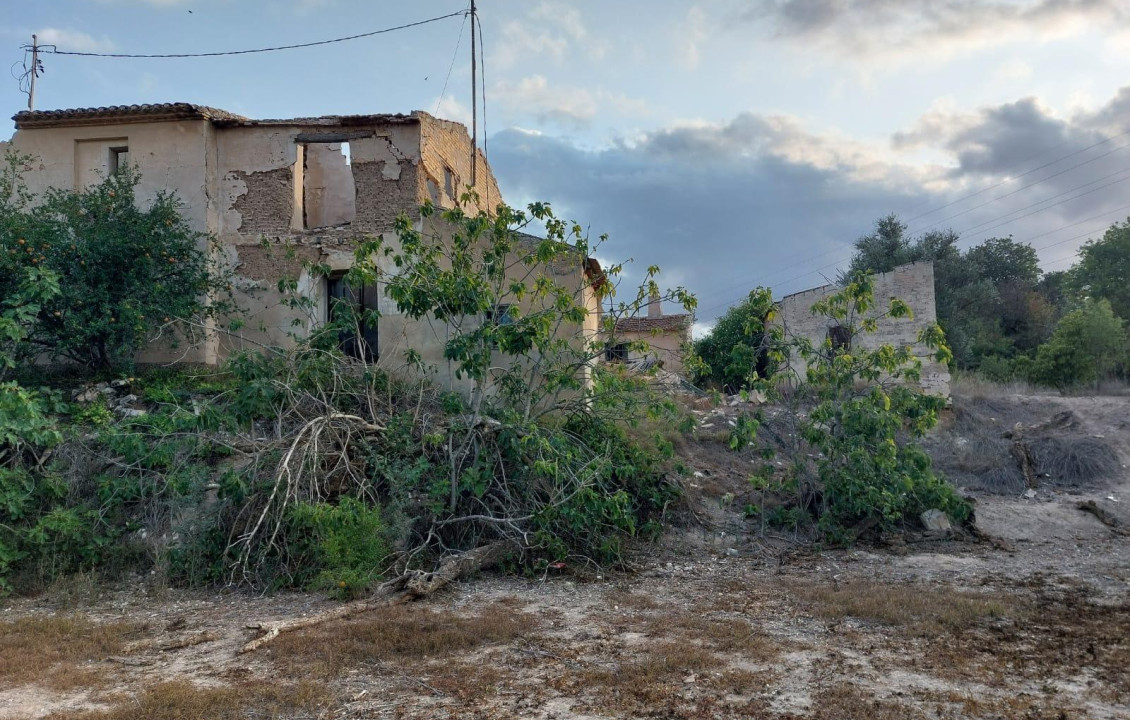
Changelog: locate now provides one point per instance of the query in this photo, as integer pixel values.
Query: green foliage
(733, 349)
(340, 547)
(520, 309)
(1088, 345)
(121, 274)
(988, 298)
(854, 417)
(41, 537)
(1103, 269)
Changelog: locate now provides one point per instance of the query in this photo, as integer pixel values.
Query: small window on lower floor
(356, 309)
(616, 353)
(500, 315)
(118, 159)
(840, 338)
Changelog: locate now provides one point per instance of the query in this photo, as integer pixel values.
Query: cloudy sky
(734, 143)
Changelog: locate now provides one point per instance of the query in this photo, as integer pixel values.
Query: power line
(1027, 172)
(52, 50)
(1020, 189)
(1049, 207)
(483, 82)
(454, 55)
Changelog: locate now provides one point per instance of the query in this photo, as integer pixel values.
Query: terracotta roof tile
(114, 114)
(664, 323)
(121, 113)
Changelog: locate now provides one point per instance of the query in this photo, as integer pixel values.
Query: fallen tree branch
(204, 636)
(411, 585)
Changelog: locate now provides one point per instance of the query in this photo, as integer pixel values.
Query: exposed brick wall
(913, 284)
(267, 206)
(381, 198)
(447, 144)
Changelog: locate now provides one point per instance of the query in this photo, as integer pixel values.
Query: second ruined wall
(913, 284)
(446, 148)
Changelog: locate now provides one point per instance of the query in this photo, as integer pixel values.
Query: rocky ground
(1032, 621)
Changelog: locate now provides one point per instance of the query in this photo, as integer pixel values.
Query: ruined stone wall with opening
(913, 284)
(292, 198)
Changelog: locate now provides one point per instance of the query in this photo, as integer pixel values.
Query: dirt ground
(1032, 622)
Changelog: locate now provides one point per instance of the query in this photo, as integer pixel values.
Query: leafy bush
(1088, 345)
(853, 421)
(340, 547)
(734, 349)
(123, 274)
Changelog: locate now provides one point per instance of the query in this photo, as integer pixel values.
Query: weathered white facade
(913, 284)
(279, 195)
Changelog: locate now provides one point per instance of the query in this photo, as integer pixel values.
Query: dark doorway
(356, 309)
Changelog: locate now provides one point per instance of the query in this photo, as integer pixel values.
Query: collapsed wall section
(445, 148)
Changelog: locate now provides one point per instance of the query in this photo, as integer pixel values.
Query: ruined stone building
(913, 284)
(663, 338)
(276, 193)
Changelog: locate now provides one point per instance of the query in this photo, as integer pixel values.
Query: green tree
(518, 323)
(124, 273)
(1103, 271)
(733, 350)
(852, 417)
(1088, 344)
(1005, 261)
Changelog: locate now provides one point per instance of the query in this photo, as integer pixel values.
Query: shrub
(340, 547)
(853, 460)
(123, 273)
(1088, 344)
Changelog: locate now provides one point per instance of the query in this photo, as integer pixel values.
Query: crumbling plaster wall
(427, 336)
(913, 284)
(445, 143)
(169, 155)
(258, 203)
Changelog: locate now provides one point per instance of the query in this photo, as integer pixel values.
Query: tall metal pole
(474, 104)
(34, 72)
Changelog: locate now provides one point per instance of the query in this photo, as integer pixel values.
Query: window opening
(325, 190)
(840, 338)
(616, 353)
(356, 310)
(118, 159)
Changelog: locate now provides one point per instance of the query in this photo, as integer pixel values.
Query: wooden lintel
(332, 136)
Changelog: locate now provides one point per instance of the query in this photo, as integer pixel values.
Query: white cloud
(933, 29)
(565, 105)
(74, 40)
(449, 108)
(1013, 70)
(551, 29)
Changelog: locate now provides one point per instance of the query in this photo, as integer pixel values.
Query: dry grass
(848, 702)
(401, 633)
(50, 650)
(181, 700)
(630, 600)
(923, 611)
(1074, 461)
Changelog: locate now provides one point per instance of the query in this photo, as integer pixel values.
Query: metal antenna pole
(474, 104)
(34, 72)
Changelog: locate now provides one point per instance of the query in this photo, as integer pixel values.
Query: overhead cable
(52, 50)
